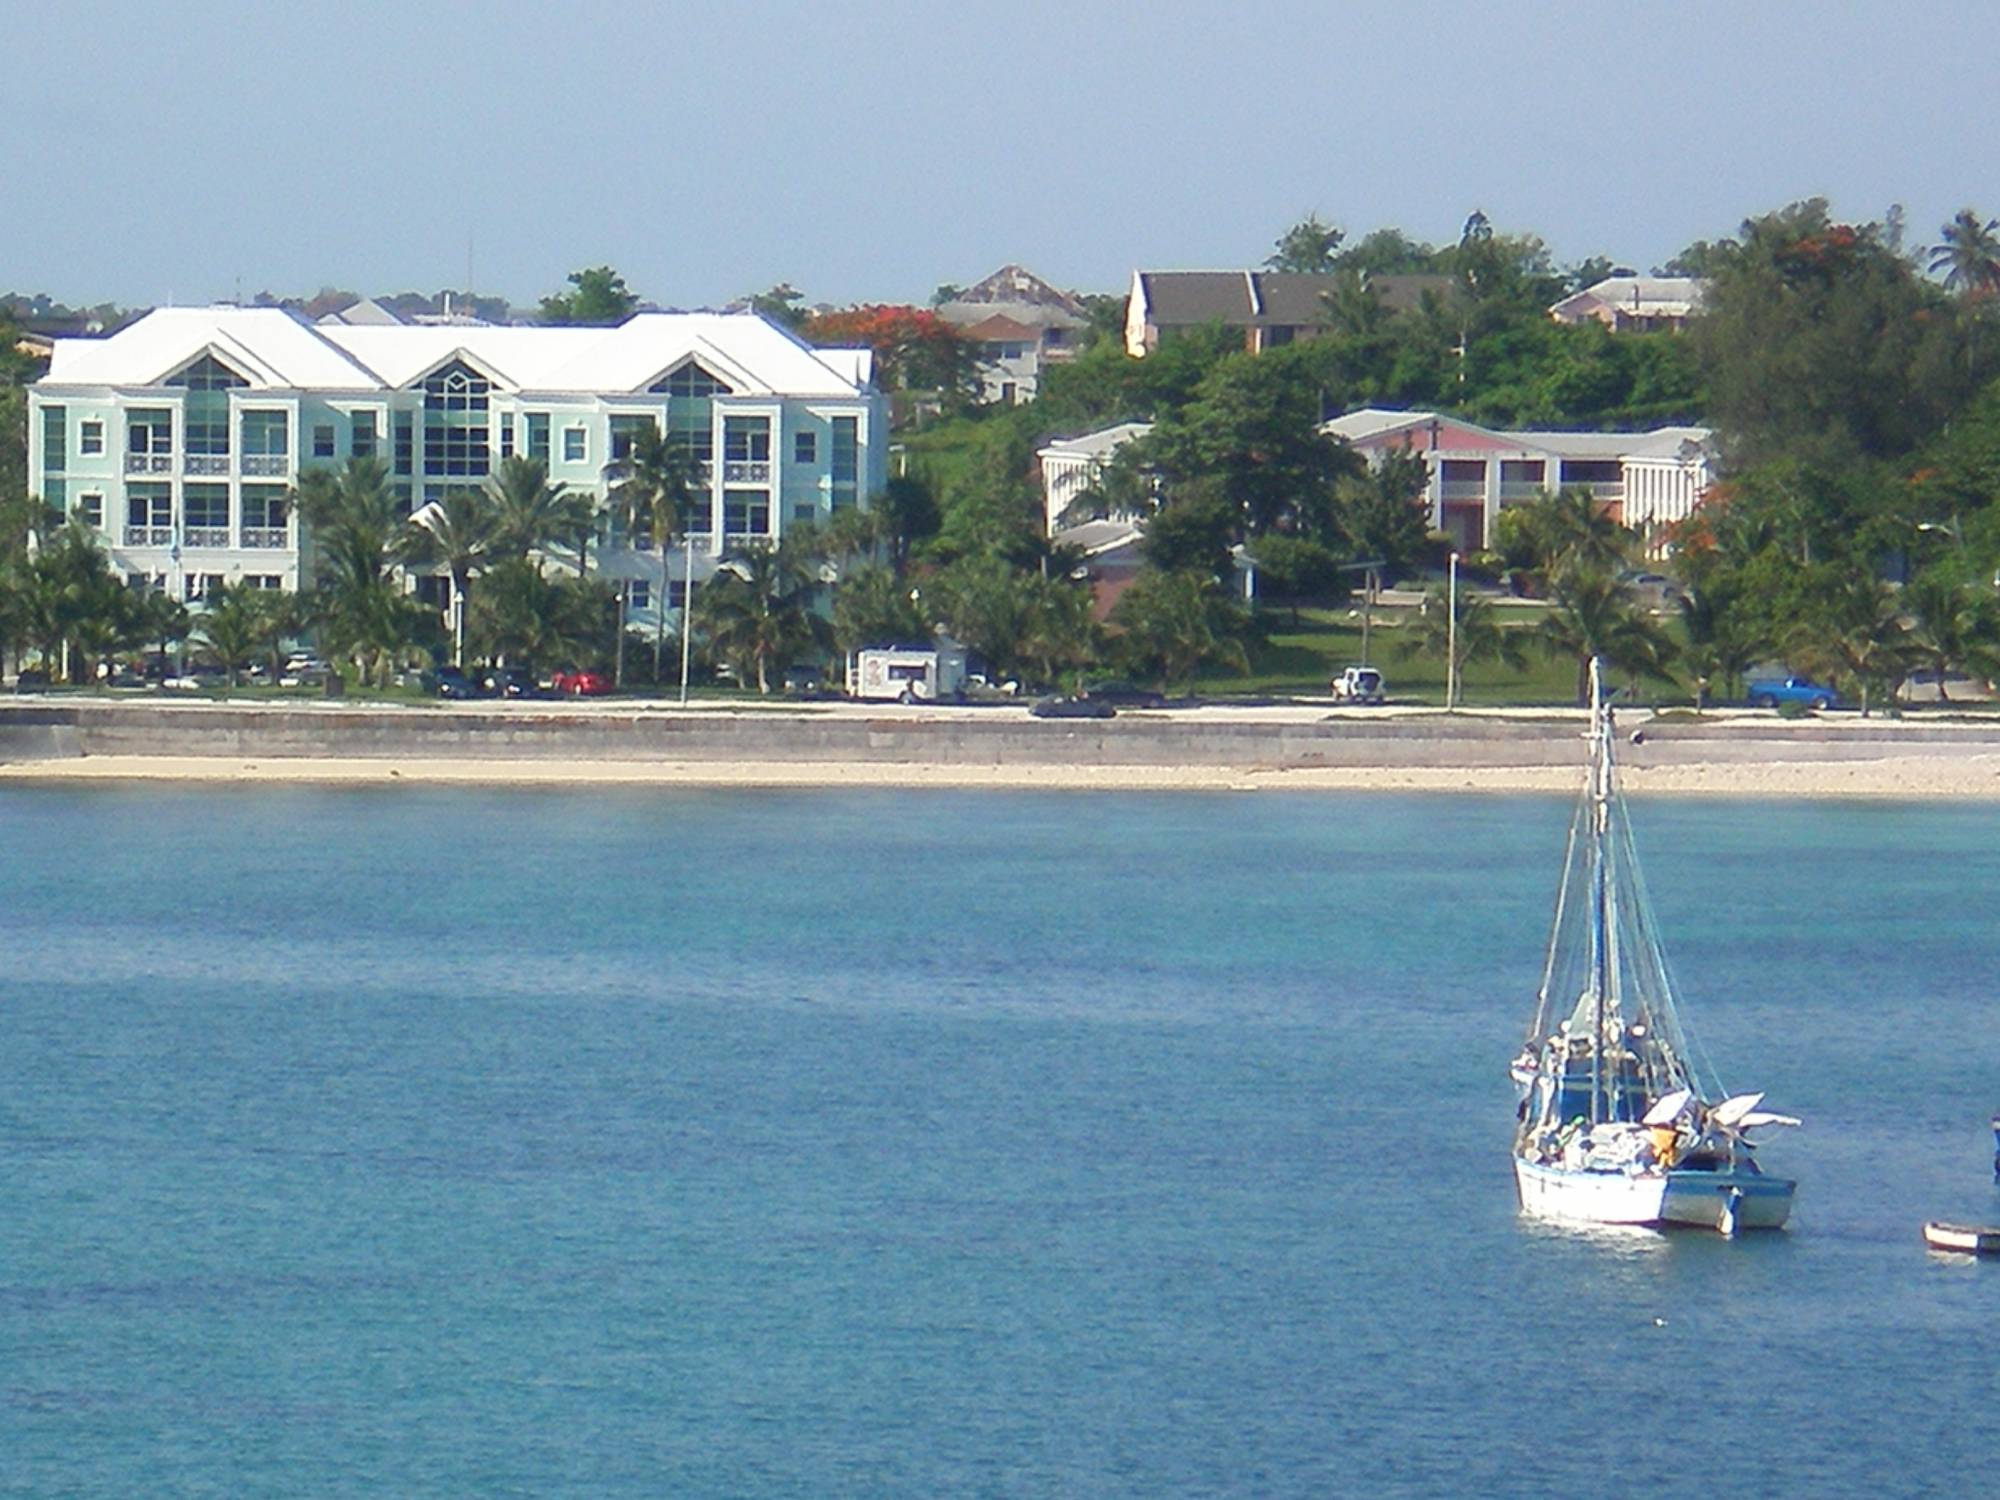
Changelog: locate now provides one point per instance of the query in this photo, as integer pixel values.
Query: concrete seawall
(1008, 736)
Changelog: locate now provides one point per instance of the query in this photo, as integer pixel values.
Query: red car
(581, 684)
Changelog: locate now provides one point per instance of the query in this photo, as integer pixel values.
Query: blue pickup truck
(1769, 692)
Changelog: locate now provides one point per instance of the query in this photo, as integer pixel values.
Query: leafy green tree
(1571, 532)
(757, 614)
(873, 607)
(359, 536)
(1307, 246)
(1193, 532)
(1060, 632)
(1724, 637)
(1296, 569)
(983, 602)
(1592, 614)
(1380, 513)
(783, 304)
(1173, 624)
(597, 295)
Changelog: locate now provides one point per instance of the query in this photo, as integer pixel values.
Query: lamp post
(1451, 643)
(687, 609)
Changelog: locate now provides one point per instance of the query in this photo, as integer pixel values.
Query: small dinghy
(1966, 1239)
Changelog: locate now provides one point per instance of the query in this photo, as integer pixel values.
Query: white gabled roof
(274, 349)
(1096, 444)
(268, 346)
(1374, 422)
(1639, 296)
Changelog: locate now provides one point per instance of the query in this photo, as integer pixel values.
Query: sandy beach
(1925, 777)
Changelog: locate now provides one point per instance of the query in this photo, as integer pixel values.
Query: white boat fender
(1729, 1201)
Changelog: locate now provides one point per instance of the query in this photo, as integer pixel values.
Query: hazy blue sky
(873, 151)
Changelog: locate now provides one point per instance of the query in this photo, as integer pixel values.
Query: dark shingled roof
(1255, 299)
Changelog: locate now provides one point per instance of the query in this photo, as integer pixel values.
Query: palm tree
(1593, 614)
(1723, 642)
(231, 629)
(1478, 636)
(533, 515)
(360, 536)
(654, 488)
(1572, 532)
(1061, 632)
(1950, 626)
(517, 614)
(1175, 623)
(1969, 255)
(756, 610)
(457, 532)
(1857, 634)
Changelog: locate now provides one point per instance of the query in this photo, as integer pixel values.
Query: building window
(90, 438)
(746, 440)
(844, 461)
(746, 512)
(538, 437)
(692, 425)
(149, 508)
(205, 515)
(456, 426)
(805, 447)
(505, 424)
(361, 434)
(573, 445)
(1008, 390)
(90, 511)
(200, 586)
(205, 408)
(804, 514)
(701, 512)
(55, 439)
(266, 434)
(405, 431)
(149, 432)
(1592, 471)
(323, 440)
(691, 380)
(264, 516)
(55, 491)
(268, 581)
(641, 595)
(625, 430)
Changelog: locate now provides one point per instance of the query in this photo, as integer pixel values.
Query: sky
(869, 152)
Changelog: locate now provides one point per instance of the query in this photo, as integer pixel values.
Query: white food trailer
(907, 674)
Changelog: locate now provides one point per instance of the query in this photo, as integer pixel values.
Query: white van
(907, 674)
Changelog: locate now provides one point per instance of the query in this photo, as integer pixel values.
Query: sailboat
(1615, 1119)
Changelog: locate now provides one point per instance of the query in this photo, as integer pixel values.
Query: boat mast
(1600, 796)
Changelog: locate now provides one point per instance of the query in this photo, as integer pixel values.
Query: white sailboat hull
(1701, 1199)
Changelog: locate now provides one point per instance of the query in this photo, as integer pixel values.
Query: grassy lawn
(1298, 662)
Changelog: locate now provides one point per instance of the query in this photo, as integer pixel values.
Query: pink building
(1646, 479)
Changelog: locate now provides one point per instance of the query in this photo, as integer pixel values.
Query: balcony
(1457, 491)
(739, 471)
(149, 536)
(207, 536)
(266, 465)
(266, 537)
(149, 463)
(205, 463)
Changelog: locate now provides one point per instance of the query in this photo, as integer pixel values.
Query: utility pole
(1451, 644)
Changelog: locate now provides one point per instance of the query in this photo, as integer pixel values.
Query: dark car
(31, 680)
(1072, 708)
(450, 682)
(509, 682)
(1121, 694)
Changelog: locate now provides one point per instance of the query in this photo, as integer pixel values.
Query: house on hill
(1644, 479)
(1267, 308)
(1019, 323)
(1634, 304)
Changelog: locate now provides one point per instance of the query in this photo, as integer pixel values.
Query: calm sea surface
(637, 1143)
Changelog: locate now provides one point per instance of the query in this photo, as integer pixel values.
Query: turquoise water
(606, 1143)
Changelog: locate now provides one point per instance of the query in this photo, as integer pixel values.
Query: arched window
(456, 432)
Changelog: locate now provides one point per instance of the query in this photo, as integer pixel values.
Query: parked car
(509, 682)
(1769, 692)
(1122, 694)
(580, 683)
(1071, 708)
(303, 669)
(449, 682)
(1655, 590)
(1358, 685)
(1955, 687)
(32, 680)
